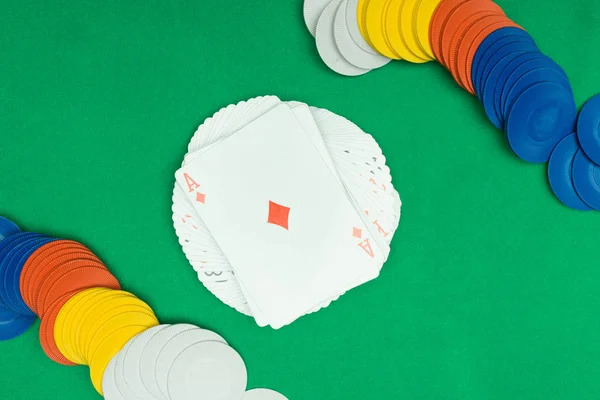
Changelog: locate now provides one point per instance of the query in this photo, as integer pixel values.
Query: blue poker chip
(560, 173)
(7, 228)
(586, 178)
(490, 45)
(511, 46)
(490, 91)
(540, 118)
(5, 268)
(483, 51)
(533, 77)
(12, 273)
(6, 258)
(517, 43)
(13, 324)
(517, 74)
(6, 246)
(15, 300)
(504, 77)
(588, 128)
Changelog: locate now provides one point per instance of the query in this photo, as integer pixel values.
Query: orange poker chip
(452, 61)
(438, 22)
(78, 279)
(471, 42)
(50, 279)
(47, 266)
(40, 254)
(37, 264)
(457, 17)
(44, 268)
(47, 330)
(467, 41)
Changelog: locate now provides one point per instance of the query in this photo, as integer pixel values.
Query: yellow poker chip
(91, 330)
(407, 16)
(63, 326)
(395, 34)
(80, 314)
(421, 23)
(139, 317)
(375, 28)
(119, 318)
(70, 336)
(80, 308)
(89, 314)
(96, 316)
(80, 317)
(108, 349)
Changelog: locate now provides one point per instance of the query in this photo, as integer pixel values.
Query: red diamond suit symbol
(278, 215)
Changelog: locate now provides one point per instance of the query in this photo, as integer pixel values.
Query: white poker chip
(207, 370)
(174, 347)
(118, 371)
(327, 47)
(349, 48)
(109, 385)
(263, 394)
(312, 10)
(151, 352)
(127, 372)
(353, 28)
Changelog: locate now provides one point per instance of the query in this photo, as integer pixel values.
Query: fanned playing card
(280, 216)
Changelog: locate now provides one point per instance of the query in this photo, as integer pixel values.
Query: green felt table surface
(492, 287)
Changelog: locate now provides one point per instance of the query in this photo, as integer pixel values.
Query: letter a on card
(380, 229)
(191, 184)
(366, 246)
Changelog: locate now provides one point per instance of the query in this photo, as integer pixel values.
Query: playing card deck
(281, 208)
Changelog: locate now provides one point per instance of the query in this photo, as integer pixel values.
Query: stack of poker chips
(523, 91)
(41, 274)
(156, 364)
(86, 319)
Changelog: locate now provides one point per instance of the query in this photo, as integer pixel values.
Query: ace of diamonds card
(279, 216)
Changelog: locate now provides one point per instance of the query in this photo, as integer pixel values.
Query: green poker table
(491, 291)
